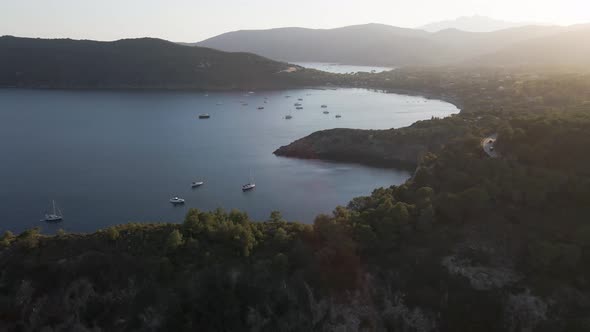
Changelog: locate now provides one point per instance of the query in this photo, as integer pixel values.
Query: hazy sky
(185, 20)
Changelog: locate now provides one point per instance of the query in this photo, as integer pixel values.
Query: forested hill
(133, 63)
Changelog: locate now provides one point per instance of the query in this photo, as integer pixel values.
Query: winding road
(488, 145)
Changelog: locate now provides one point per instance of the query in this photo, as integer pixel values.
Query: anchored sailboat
(250, 185)
(55, 214)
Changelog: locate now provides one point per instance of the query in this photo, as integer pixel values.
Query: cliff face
(402, 147)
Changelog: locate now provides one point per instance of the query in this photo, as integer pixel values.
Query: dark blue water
(114, 157)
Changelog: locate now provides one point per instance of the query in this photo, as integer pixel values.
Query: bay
(111, 157)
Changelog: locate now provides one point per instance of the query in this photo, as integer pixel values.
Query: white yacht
(55, 214)
(176, 200)
(196, 184)
(250, 185)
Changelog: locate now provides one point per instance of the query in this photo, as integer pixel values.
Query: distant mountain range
(474, 23)
(132, 63)
(564, 49)
(384, 45)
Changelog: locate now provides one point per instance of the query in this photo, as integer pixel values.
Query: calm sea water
(340, 68)
(114, 157)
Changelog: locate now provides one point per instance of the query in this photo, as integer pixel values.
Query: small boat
(250, 185)
(299, 107)
(297, 104)
(338, 116)
(300, 99)
(204, 116)
(288, 117)
(287, 96)
(324, 106)
(244, 104)
(251, 92)
(206, 95)
(55, 215)
(260, 107)
(326, 112)
(196, 184)
(219, 104)
(176, 200)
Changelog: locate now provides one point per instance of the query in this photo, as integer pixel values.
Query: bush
(174, 240)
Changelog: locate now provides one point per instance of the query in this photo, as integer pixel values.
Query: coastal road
(488, 145)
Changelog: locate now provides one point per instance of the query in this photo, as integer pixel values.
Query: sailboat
(55, 215)
(250, 185)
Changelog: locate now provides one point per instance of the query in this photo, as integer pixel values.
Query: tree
(6, 239)
(426, 218)
(112, 233)
(238, 217)
(174, 240)
(30, 237)
(276, 217)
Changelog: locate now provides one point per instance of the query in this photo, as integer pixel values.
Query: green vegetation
(138, 64)
(469, 243)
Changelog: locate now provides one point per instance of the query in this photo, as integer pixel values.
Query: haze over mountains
(474, 23)
(384, 45)
(254, 59)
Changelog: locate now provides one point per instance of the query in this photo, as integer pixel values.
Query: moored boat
(250, 185)
(55, 214)
(176, 200)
